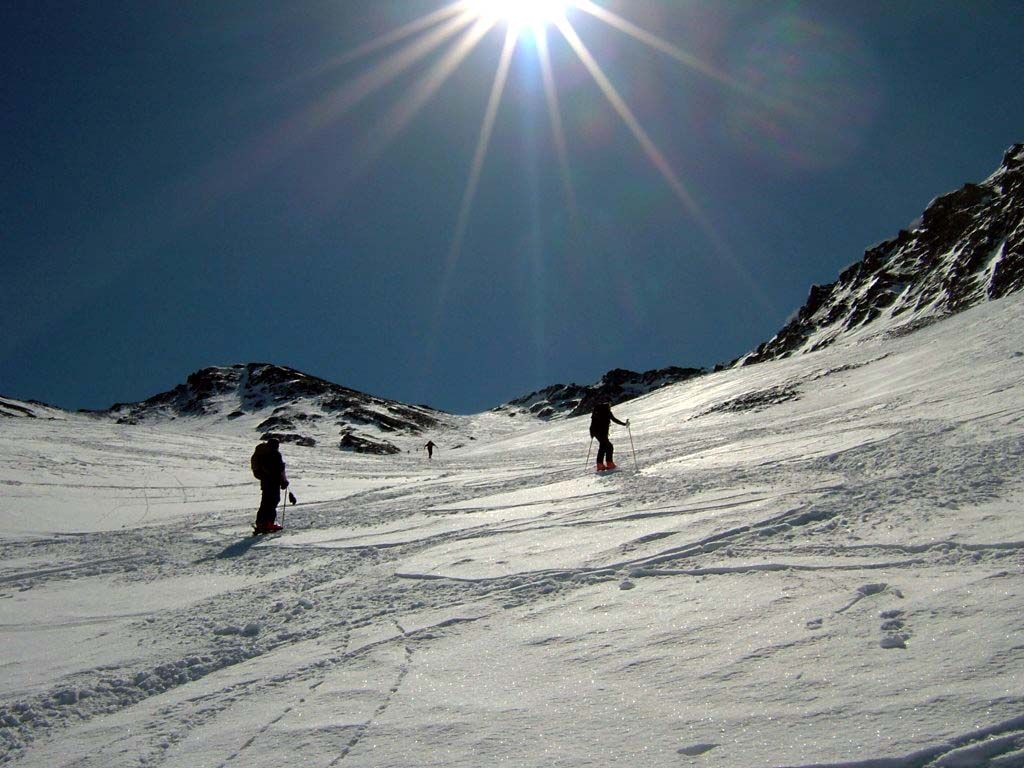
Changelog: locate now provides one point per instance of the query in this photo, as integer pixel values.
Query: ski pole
(590, 447)
(287, 498)
(630, 430)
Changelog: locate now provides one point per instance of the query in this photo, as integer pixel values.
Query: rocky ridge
(616, 386)
(290, 405)
(968, 247)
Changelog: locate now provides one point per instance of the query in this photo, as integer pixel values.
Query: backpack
(258, 460)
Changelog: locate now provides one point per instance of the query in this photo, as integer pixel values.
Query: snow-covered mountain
(616, 386)
(292, 406)
(968, 247)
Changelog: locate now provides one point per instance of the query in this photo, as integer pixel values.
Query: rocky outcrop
(616, 386)
(967, 248)
(292, 406)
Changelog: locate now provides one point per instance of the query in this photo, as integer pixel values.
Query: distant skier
(430, 449)
(600, 421)
(268, 467)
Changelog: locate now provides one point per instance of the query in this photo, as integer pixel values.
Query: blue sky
(192, 183)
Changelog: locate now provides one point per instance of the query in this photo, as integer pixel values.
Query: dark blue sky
(196, 183)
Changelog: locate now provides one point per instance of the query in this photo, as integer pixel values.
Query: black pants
(267, 513)
(605, 449)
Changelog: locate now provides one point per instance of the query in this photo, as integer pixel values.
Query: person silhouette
(600, 422)
(269, 468)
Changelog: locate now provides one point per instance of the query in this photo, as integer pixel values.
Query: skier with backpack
(600, 422)
(268, 467)
(430, 449)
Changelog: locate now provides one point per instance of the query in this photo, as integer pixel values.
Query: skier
(268, 468)
(600, 421)
(430, 449)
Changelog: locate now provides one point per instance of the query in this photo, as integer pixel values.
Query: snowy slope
(820, 562)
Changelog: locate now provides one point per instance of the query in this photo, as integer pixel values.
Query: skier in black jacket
(268, 466)
(600, 421)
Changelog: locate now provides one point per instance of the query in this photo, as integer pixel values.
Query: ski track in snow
(830, 578)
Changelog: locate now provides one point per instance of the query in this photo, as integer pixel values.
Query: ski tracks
(403, 672)
(997, 746)
(322, 672)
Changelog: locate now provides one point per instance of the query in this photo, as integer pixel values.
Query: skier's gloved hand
(284, 484)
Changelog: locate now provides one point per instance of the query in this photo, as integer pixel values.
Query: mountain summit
(968, 247)
(288, 404)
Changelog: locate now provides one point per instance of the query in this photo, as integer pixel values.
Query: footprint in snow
(893, 635)
(872, 589)
(694, 750)
(892, 620)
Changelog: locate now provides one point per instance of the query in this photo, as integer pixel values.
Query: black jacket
(601, 419)
(268, 464)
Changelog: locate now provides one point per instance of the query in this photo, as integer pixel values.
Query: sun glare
(457, 28)
(522, 13)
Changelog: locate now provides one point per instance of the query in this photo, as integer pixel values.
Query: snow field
(819, 563)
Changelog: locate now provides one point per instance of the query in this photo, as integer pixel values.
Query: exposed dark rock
(351, 442)
(284, 437)
(968, 248)
(616, 386)
(294, 397)
(276, 422)
(759, 400)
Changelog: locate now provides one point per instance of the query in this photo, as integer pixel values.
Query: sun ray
(403, 113)
(459, 8)
(401, 33)
(656, 43)
(619, 105)
(557, 128)
(476, 169)
(486, 130)
(658, 159)
(395, 65)
(262, 152)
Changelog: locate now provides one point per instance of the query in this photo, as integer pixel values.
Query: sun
(522, 13)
